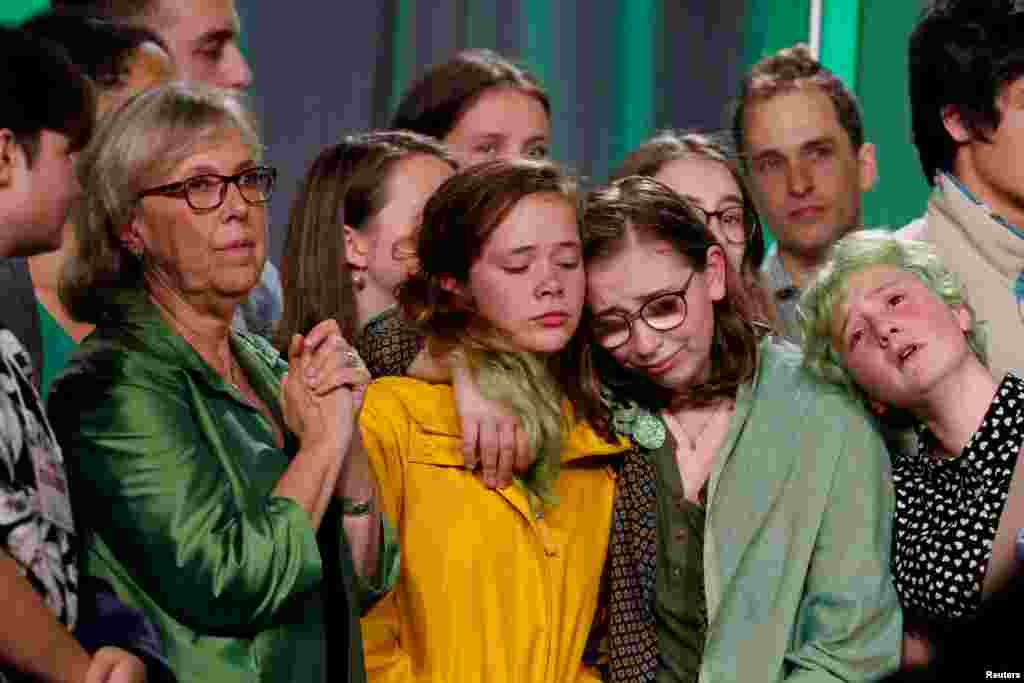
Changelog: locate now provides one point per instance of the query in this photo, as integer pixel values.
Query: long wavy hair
(345, 185)
(434, 104)
(457, 222)
(643, 205)
(669, 145)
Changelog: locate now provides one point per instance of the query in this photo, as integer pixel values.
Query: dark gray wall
(324, 69)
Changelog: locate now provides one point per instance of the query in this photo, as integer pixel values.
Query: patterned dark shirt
(45, 551)
(389, 344)
(948, 510)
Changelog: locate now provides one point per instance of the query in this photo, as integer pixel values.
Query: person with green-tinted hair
(888, 320)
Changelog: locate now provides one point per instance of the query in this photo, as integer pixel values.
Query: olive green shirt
(176, 471)
(680, 608)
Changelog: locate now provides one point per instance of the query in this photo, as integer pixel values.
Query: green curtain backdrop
(865, 43)
(616, 71)
(901, 192)
(17, 10)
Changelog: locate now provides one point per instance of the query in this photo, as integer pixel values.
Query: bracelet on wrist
(351, 508)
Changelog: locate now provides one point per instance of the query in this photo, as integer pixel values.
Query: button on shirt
(680, 605)
(784, 294)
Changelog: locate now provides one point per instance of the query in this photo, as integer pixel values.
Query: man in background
(41, 129)
(967, 114)
(801, 137)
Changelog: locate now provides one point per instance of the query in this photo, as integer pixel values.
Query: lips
(552, 319)
(659, 368)
(238, 244)
(806, 213)
(907, 352)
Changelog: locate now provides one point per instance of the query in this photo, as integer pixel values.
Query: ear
(868, 165)
(130, 235)
(877, 407)
(963, 318)
(450, 284)
(954, 125)
(10, 155)
(357, 247)
(714, 272)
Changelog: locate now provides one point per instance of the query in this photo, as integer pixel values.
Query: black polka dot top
(947, 511)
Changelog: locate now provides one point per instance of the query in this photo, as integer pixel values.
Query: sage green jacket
(172, 476)
(798, 537)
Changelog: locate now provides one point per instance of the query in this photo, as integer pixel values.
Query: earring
(358, 281)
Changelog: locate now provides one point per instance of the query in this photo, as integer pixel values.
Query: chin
(544, 342)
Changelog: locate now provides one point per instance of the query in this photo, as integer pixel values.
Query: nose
(645, 339)
(799, 179)
(236, 72)
(551, 282)
(884, 331)
(234, 200)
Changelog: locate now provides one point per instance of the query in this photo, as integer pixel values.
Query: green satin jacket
(172, 478)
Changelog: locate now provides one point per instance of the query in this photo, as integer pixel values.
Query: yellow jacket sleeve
(386, 428)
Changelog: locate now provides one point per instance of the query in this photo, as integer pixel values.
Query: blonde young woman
(887, 320)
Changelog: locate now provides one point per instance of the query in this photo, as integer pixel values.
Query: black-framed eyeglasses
(206, 192)
(664, 312)
(733, 220)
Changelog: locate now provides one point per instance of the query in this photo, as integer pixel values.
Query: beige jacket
(987, 257)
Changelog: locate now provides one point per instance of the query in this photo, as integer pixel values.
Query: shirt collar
(776, 277)
(974, 199)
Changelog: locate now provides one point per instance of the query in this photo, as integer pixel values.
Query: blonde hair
(851, 254)
(136, 147)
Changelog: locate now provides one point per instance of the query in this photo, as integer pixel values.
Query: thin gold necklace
(692, 439)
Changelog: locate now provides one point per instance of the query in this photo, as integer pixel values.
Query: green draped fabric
(173, 472)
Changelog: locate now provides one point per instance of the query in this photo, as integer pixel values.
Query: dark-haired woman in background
(351, 242)
(482, 106)
(703, 170)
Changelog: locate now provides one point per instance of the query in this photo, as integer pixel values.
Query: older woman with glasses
(206, 467)
(752, 525)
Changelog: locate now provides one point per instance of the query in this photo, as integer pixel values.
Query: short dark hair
(962, 55)
(120, 10)
(433, 104)
(41, 89)
(786, 71)
(96, 45)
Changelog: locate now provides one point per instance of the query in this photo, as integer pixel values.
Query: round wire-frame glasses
(663, 312)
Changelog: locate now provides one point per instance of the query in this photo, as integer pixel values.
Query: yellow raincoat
(488, 591)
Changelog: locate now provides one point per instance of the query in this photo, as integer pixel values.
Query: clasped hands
(323, 390)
